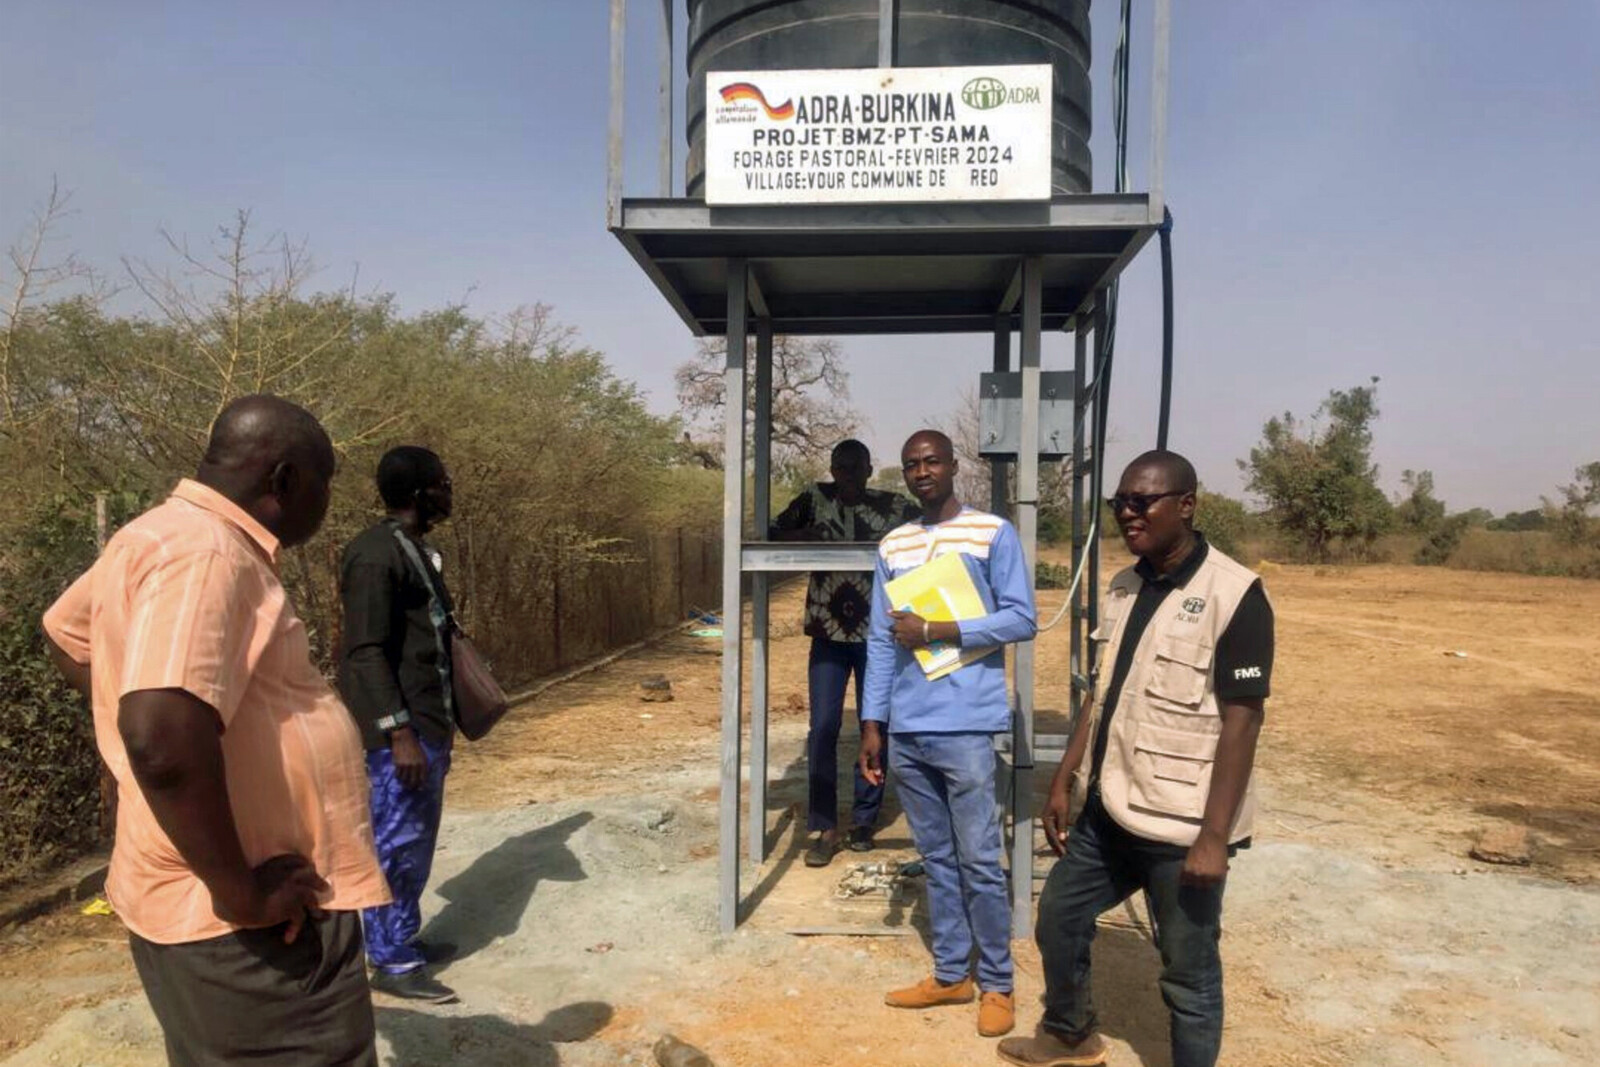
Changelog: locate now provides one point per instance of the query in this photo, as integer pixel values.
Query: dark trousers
(405, 827)
(833, 664)
(249, 998)
(1103, 866)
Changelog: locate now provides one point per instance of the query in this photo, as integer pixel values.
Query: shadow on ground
(418, 1039)
(1127, 999)
(788, 838)
(488, 899)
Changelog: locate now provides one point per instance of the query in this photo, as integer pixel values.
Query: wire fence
(566, 606)
(535, 609)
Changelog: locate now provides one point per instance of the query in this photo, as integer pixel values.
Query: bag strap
(441, 610)
(430, 577)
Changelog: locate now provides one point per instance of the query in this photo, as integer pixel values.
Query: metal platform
(887, 268)
(766, 556)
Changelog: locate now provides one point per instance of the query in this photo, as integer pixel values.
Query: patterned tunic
(838, 603)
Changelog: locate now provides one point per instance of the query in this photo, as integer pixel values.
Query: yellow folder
(940, 590)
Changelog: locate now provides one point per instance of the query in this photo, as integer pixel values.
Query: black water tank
(827, 34)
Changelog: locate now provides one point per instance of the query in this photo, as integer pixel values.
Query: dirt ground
(577, 869)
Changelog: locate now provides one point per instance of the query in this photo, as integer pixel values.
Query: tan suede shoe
(997, 1014)
(929, 993)
(1045, 1049)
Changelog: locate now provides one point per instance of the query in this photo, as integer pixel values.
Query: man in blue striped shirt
(943, 750)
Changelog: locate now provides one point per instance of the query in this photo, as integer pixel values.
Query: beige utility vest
(1163, 742)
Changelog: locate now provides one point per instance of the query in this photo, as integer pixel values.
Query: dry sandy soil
(577, 870)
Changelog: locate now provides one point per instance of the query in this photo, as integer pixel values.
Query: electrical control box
(1000, 414)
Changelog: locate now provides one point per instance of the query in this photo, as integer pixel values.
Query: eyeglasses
(1138, 503)
(445, 486)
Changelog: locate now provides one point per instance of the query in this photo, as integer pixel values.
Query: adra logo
(984, 93)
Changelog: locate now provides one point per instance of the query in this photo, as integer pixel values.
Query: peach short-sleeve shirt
(187, 597)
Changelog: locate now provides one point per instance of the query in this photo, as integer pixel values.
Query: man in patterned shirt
(838, 605)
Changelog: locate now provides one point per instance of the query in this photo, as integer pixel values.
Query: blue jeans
(833, 664)
(946, 787)
(1103, 866)
(405, 826)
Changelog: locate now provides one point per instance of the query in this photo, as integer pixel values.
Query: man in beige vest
(1166, 796)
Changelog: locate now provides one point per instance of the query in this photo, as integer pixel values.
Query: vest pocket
(1171, 770)
(1180, 671)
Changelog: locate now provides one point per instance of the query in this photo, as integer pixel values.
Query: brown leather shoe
(930, 993)
(997, 1014)
(1045, 1049)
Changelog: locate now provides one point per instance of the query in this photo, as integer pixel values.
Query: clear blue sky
(1400, 189)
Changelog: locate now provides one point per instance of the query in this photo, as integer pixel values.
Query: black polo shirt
(1241, 665)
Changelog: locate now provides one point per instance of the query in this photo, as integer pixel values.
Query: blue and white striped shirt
(972, 699)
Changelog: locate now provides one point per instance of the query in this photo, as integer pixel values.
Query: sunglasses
(1138, 503)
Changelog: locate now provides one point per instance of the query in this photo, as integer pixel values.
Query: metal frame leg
(760, 599)
(1091, 580)
(664, 101)
(614, 153)
(1080, 517)
(1028, 532)
(732, 617)
(999, 469)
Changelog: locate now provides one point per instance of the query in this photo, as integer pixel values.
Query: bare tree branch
(810, 400)
(243, 328)
(34, 278)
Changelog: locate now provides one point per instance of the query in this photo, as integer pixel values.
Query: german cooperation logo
(986, 93)
(745, 97)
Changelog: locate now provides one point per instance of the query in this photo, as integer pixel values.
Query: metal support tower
(1032, 269)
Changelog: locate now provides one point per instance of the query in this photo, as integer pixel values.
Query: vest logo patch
(1246, 672)
(1194, 605)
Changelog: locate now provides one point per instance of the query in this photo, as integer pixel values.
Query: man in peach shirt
(243, 847)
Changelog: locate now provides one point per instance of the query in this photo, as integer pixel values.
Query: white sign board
(900, 134)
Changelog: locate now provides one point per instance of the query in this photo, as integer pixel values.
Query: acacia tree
(33, 276)
(1418, 510)
(238, 324)
(1570, 519)
(562, 473)
(50, 774)
(1317, 476)
(810, 402)
(974, 476)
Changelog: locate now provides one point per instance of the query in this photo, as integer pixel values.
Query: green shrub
(49, 770)
(1049, 575)
(1224, 521)
(1524, 552)
(1055, 526)
(1532, 519)
(1442, 543)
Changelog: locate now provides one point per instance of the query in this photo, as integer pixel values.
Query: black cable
(1102, 414)
(1166, 332)
(1119, 181)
